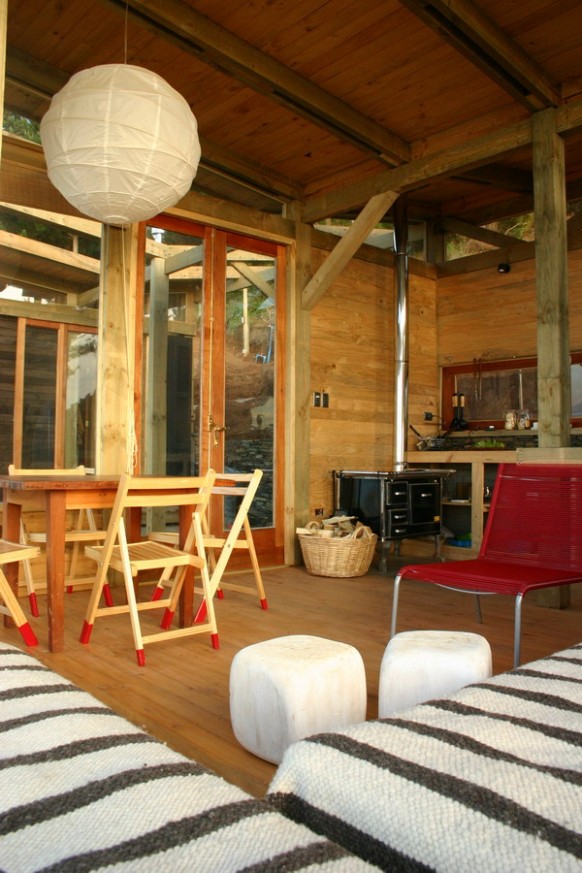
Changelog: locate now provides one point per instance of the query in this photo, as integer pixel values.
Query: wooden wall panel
(352, 359)
(423, 381)
(482, 314)
(493, 315)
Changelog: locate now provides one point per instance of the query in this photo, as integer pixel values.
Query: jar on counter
(523, 420)
(510, 420)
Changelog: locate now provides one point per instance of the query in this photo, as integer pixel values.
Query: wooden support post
(3, 33)
(554, 393)
(554, 388)
(119, 335)
(297, 446)
(157, 370)
(345, 249)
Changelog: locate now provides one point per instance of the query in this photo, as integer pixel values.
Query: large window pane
(576, 376)
(173, 308)
(7, 372)
(182, 421)
(489, 394)
(80, 399)
(39, 407)
(250, 376)
(492, 388)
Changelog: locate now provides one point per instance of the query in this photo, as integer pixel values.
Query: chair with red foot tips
(187, 494)
(84, 530)
(235, 486)
(9, 605)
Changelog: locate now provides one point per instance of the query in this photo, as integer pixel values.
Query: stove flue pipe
(400, 218)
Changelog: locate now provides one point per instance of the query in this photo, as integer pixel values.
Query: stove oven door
(425, 507)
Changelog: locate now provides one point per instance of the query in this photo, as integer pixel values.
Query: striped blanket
(488, 779)
(83, 789)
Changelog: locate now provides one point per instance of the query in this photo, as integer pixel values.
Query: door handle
(215, 429)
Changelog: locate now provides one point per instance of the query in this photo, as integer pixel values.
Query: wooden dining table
(55, 496)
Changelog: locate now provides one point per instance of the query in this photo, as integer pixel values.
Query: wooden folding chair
(186, 493)
(10, 552)
(239, 485)
(84, 531)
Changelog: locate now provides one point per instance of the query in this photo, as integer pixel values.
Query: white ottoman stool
(422, 665)
(284, 689)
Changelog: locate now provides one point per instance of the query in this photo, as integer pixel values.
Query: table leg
(55, 568)
(186, 608)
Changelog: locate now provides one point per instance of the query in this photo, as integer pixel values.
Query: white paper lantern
(121, 145)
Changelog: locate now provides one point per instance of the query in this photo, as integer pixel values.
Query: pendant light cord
(210, 362)
(131, 437)
(125, 32)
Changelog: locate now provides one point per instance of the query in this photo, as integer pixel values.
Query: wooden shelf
(477, 461)
(463, 504)
(468, 456)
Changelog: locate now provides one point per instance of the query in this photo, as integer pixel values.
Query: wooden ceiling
(329, 102)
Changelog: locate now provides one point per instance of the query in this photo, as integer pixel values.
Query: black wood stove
(396, 505)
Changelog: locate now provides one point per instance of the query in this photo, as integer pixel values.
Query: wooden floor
(181, 695)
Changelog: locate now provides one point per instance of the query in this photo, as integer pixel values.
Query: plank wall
(493, 315)
(352, 359)
(483, 314)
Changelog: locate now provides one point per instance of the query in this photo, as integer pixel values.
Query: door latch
(215, 429)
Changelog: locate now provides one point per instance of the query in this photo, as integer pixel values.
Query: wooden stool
(422, 665)
(284, 689)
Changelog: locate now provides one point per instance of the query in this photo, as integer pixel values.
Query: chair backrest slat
(152, 492)
(535, 516)
(47, 471)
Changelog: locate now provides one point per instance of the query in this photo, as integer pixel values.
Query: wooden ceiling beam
(485, 45)
(415, 174)
(33, 76)
(439, 165)
(473, 231)
(475, 212)
(49, 312)
(498, 176)
(522, 251)
(37, 282)
(222, 162)
(86, 226)
(48, 252)
(213, 45)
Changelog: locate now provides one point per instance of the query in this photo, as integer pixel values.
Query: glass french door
(54, 395)
(213, 378)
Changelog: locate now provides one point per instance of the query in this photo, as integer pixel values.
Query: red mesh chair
(533, 539)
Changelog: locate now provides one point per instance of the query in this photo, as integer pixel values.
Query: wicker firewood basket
(338, 556)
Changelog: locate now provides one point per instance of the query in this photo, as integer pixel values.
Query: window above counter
(492, 388)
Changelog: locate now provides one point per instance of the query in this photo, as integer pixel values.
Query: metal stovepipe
(401, 326)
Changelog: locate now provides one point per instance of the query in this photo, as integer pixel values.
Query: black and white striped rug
(83, 789)
(489, 779)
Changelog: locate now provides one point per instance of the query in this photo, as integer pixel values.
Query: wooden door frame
(269, 541)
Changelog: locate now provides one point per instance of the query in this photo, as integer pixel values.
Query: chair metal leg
(478, 609)
(394, 605)
(517, 632)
